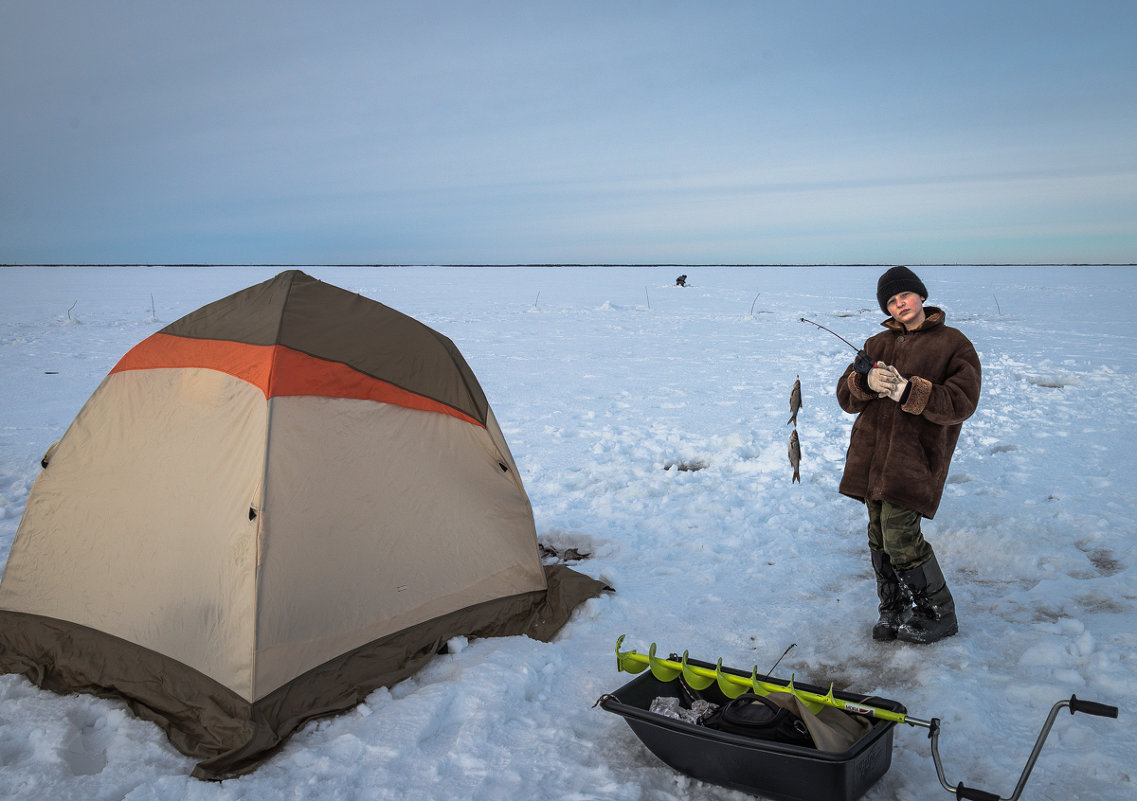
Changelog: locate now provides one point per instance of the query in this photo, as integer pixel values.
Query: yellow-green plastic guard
(626, 661)
(662, 669)
(810, 700)
(733, 686)
(696, 680)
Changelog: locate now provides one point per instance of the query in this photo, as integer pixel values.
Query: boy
(910, 407)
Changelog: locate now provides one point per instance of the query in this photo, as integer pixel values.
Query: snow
(601, 377)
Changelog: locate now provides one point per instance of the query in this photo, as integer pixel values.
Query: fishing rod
(834, 333)
(863, 359)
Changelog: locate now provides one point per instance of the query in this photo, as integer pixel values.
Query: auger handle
(1089, 707)
(973, 794)
(1092, 708)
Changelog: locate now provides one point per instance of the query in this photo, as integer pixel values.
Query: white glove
(900, 383)
(882, 379)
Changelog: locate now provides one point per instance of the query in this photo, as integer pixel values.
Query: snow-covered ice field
(601, 379)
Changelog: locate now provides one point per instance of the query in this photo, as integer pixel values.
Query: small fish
(795, 401)
(795, 456)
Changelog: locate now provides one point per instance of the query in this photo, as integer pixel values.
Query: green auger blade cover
(733, 685)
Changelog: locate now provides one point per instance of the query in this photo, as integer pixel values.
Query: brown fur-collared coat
(900, 452)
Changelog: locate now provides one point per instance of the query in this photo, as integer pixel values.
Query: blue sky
(586, 132)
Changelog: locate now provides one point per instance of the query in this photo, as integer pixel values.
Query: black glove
(863, 363)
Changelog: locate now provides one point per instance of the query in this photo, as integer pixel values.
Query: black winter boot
(894, 603)
(933, 616)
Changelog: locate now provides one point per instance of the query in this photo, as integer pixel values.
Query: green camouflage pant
(896, 531)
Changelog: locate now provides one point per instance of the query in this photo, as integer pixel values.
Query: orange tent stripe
(276, 370)
(296, 373)
(250, 363)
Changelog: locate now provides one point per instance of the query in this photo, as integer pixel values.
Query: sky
(568, 132)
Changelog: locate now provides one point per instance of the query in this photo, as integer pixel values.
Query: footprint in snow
(1103, 560)
(84, 750)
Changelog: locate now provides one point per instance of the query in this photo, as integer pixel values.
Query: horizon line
(569, 264)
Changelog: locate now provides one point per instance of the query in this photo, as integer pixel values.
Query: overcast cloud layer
(583, 132)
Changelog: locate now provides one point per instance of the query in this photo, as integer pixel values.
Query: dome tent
(271, 507)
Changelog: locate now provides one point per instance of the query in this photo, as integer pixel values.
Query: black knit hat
(895, 281)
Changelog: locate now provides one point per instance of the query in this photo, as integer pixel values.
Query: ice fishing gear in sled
(839, 765)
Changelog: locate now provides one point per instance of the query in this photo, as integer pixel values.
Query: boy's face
(907, 308)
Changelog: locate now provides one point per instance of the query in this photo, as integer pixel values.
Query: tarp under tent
(268, 509)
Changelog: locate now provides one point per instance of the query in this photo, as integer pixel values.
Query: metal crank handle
(1091, 708)
(1075, 705)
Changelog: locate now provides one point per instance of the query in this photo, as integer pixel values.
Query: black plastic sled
(775, 770)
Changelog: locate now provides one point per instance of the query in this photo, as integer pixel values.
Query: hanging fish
(795, 401)
(795, 456)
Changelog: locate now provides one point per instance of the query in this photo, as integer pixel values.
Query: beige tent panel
(376, 518)
(353, 539)
(140, 525)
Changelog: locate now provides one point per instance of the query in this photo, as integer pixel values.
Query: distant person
(910, 407)
(681, 280)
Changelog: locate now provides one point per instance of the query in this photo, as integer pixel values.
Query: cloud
(554, 132)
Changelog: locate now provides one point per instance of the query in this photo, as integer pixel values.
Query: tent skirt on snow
(229, 735)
